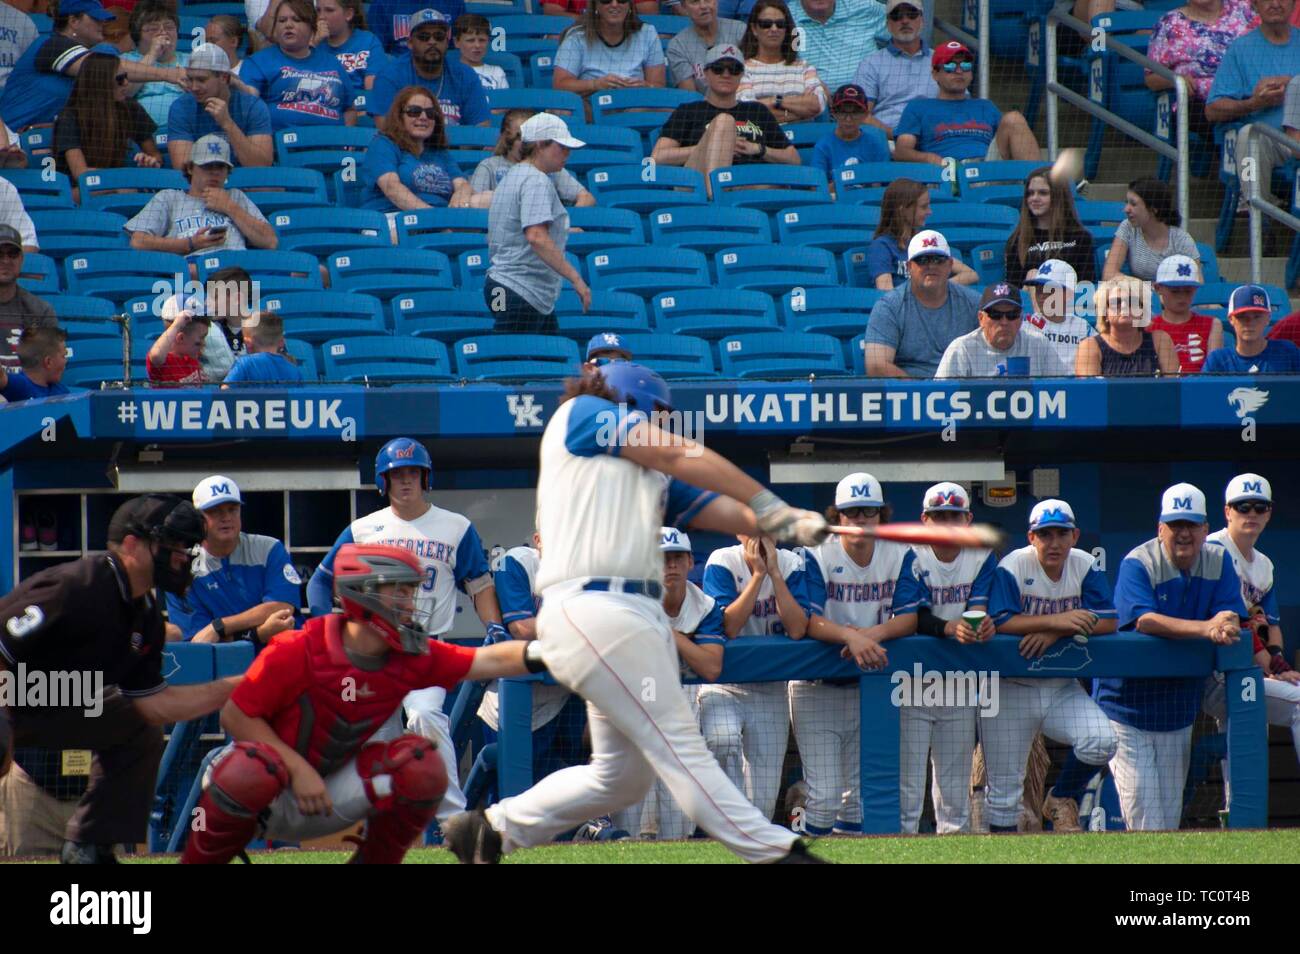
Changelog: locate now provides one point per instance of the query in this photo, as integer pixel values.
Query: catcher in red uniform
(316, 721)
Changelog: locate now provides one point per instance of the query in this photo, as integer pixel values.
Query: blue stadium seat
(37, 191)
(563, 104)
(541, 69)
(121, 275)
(527, 357)
(832, 227)
(510, 64)
(471, 266)
(617, 312)
(667, 25)
(346, 189)
(305, 354)
(127, 190)
(963, 239)
(841, 312)
(492, 9)
(450, 231)
(190, 32)
(781, 354)
(1209, 264)
(40, 274)
(445, 315)
(855, 353)
(273, 190)
(93, 360)
(774, 269)
(1212, 299)
(470, 145)
(318, 316)
(997, 183)
(1092, 212)
(529, 35)
(675, 357)
(712, 313)
(65, 231)
(385, 272)
(324, 231)
(644, 108)
(646, 271)
(386, 360)
(865, 182)
(990, 262)
(276, 273)
(769, 187)
(618, 143)
(975, 215)
(804, 136)
(708, 228)
(627, 187)
(84, 316)
(853, 267)
(37, 142)
(1116, 83)
(327, 149)
(603, 228)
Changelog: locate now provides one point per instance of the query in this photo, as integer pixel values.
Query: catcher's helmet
(402, 452)
(359, 571)
(637, 386)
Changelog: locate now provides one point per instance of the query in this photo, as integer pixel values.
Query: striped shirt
(837, 46)
(765, 80)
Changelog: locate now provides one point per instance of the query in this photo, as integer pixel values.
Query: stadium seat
(346, 189)
(997, 183)
(769, 187)
(119, 275)
(855, 353)
(667, 25)
(617, 312)
(447, 316)
(975, 215)
(1117, 83)
(94, 360)
(327, 149)
(627, 187)
(530, 35)
(472, 266)
(38, 191)
(386, 359)
(273, 190)
(963, 239)
(324, 231)
(525, 357)
(646, 271)
(804, 136)
(470, 145)
(602, 228)
(37, 142)
(781, 354)
(865, 182)
(563, 104)
(40, 274)
(709, 228)
(605, 146)
(832, 227)
(303, 353)
(127, 190)
(1092, 212)
(990, 262)
(385, 272)
(450, 231)
(84, 316)
(774, 269)
(65, 231)
(541, 69)
(275, 273)
(493, 9)
(1212, 299)
(842, 312)
(674, 357)
(1209, 264)
(713, 313)
(642, 108)
(510, 64)
(318, 316)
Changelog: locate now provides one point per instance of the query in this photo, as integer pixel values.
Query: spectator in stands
(1122, 346)
(912, 326)
(509, 150)
(228, 299)
(17, 33)
(527, 231)
(904, 208)
(342, 30)
(719, 131)
(1149, 233)
(18, 305)
(394, 21)
(609, 48)
(1049, 228)
(301, 85)
(850, 142)
(687, 50)
(154, 28)
(264, 361)
(1194, 336)
(459, 92)
(408, 167)
(174, 357)
(101, 126)
(471, 33)
(1249, 310)
(15, 216)
(207, 216)
(1288, 329)
(1191, 41)
(774, 74)
(894, 76)
(604, 347)
(838, 34)
(42, 355)
(576, 8)
(1250, 84)
(228, 33)
(1001, 345)
(1052, 287)
(213, 105)
(958, 126)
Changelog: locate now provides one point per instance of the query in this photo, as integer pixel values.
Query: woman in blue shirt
(302, 85)
(409, 167)
(903, 210)
(609, 48)
(342, 30)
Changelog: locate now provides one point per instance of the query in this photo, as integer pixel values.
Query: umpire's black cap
(158, 516)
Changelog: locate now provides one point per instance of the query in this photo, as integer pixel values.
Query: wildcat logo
(1247, 400)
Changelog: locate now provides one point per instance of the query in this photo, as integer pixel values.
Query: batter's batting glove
(496, 633)
(786, 524)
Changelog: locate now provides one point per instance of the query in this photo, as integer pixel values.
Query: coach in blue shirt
(244, 586)
(456, 87)
(1176, 587)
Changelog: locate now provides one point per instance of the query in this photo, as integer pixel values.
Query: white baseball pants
(659, 814)
(825, 719)
(424, 717)
(947, 735)
(747, 728)
(1150, 770)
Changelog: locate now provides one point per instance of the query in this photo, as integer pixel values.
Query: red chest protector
(345, 704)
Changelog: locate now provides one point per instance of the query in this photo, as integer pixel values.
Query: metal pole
(1251, 186)
(1053, 132)
(983, 51)
(126, 349)
(1184, 159)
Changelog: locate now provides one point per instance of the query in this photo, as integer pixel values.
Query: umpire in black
(99, 615)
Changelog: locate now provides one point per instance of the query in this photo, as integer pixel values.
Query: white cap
(859, 490)
(672, 540)
(1248, 487)
(1182, 502)
(946, 496)
(1051, 513)
(214, 491)
(546, 126)
(1055, 272)
(928, 242)
(209, 56)
(723, 51)
(1178, 271)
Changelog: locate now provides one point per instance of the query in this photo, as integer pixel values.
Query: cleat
(1063, 813)
(471, 839)
(800, 855)
(77, 853)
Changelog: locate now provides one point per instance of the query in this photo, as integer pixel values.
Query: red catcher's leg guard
(244, 782)
(405, 780)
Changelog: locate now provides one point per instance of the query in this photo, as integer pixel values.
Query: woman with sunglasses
(903, 211)
(609, 48)
(509, 150)
(302, 85)
(102, 127)
(774, 75)
(1122, 346)
(408, 167)
(1049, 228)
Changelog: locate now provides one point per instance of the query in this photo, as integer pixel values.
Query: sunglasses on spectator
(10, 251)
(434, 35)
(953, 66)
(1004, 314)
(121, 79)
(854, 512)
(428, 112)
(718, 69)
(904, 13)
(925, 261)
(770, 24)
(1252, 506)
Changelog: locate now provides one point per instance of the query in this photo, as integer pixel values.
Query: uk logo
(1247, 400)
(525, 409)
(612, 340)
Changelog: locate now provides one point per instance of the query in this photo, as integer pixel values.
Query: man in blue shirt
(850, 142)
(43, 354)
(263, 361)
(214, 106)
(1249, 311)
(245, 586)
(957, 126)
(393, 21)
(894, 76)
(1176, 587)
(456, 87)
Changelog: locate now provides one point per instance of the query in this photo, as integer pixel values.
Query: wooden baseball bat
(976, 535)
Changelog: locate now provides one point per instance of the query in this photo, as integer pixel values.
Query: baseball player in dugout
(99, 618)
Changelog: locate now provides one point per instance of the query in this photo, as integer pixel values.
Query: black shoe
(471, 839)
(76, 853)
(800, 855)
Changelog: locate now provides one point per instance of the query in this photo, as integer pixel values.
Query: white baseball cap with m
(1182, 502)
(548, 126)
(672, 540)
(928, 242)
(214, 491)
(859, 490)
(1248, 487)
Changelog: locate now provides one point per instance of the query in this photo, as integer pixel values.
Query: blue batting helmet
(637, 386)
(402, 452)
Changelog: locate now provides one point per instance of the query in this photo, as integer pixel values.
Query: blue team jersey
(312, 91)
(40, 83)
(514, 584)
(957, 128)
(458, 91)
(1022, 586)
(257, 571)
(726, 574)
(361, 55)
(187, 121)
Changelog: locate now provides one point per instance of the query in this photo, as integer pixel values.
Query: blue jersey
(264, 368)
(726, 574)
(312, 91)
(514, 582)
(1278, 357)
(257, 571)
(1149, 583)
(40, 83)
(458, 91)
(831, 151)
(361, 55)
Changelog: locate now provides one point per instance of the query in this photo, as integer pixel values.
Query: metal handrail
(1249, 135)
(1176, 152)
(125, 321)
(979, 42)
